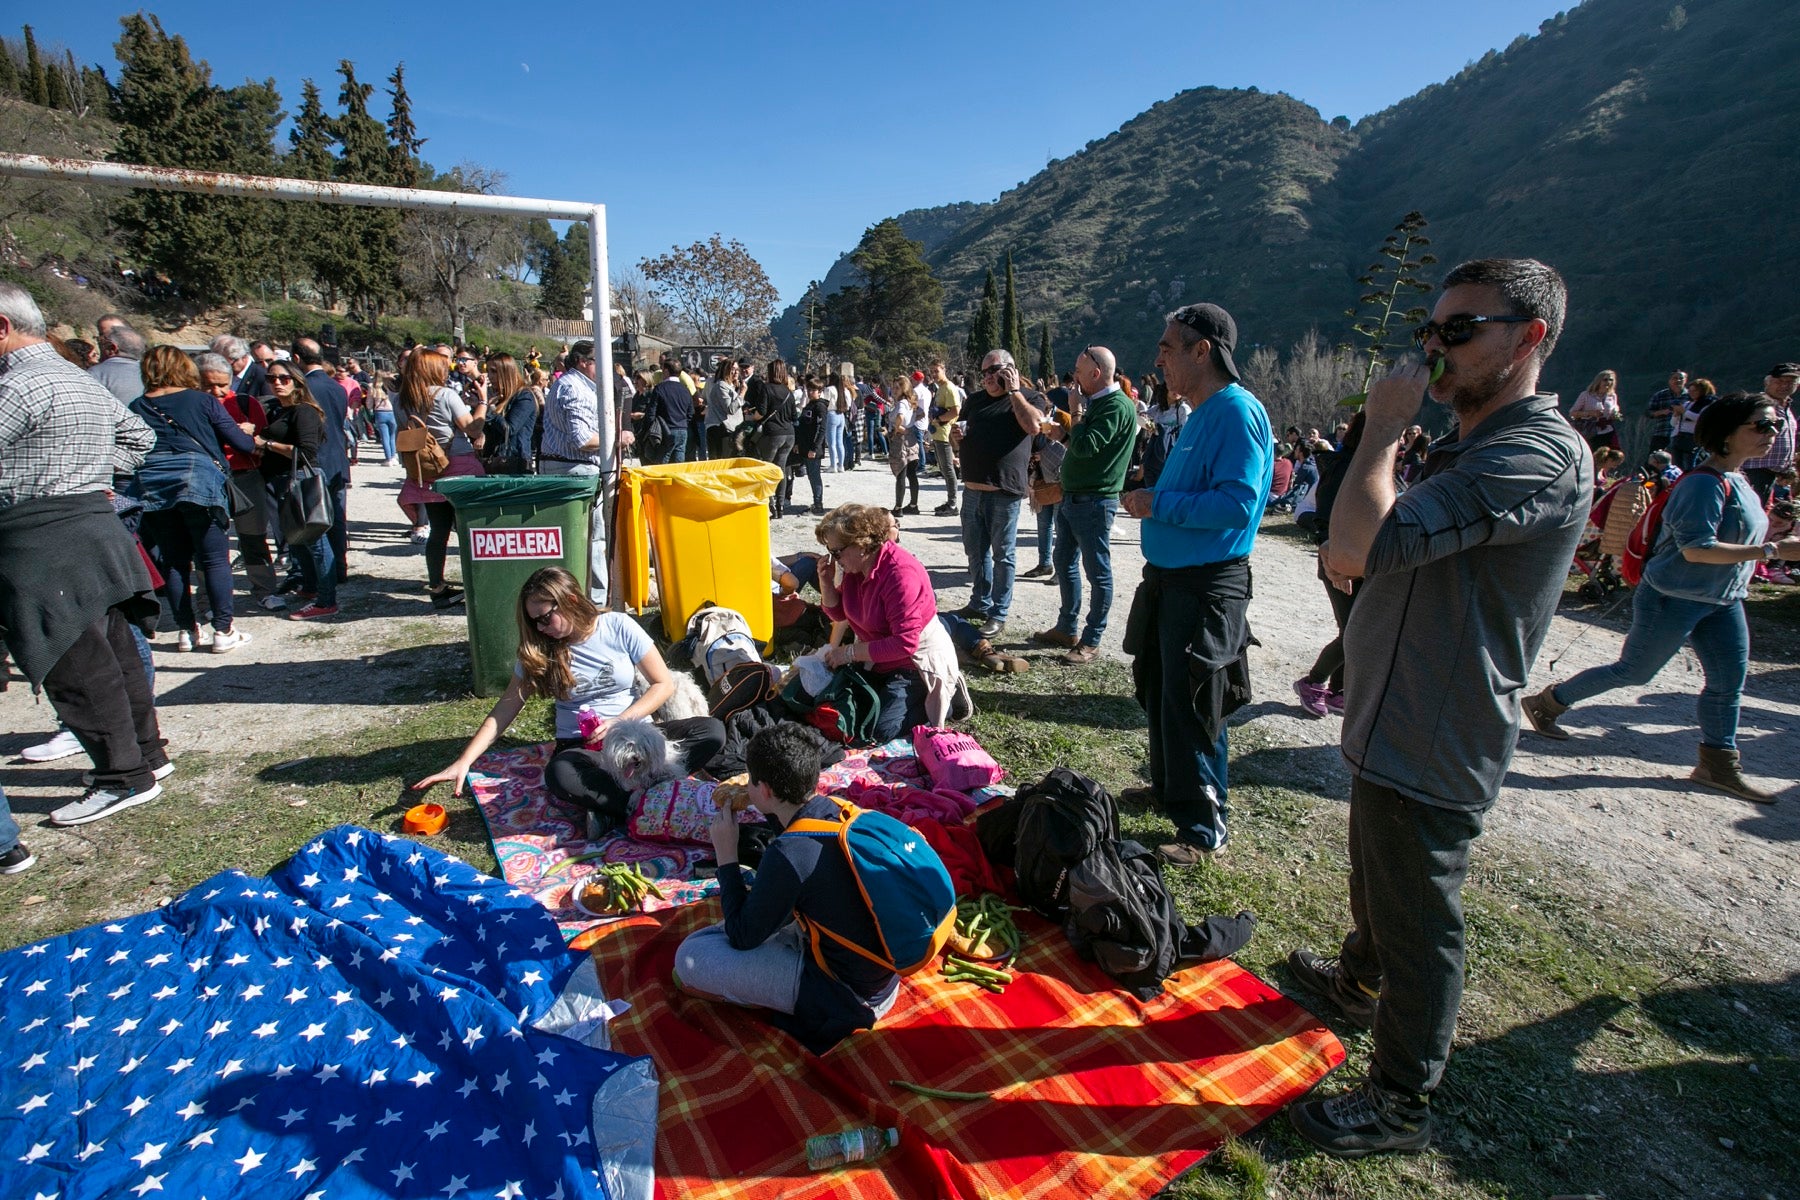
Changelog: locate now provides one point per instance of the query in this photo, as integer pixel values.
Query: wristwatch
(1769, 551)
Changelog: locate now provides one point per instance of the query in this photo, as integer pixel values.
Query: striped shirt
(62, 433)
(571, 419)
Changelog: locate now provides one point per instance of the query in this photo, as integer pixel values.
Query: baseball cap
(1786, 368)
(1212, 322)
(918, 377)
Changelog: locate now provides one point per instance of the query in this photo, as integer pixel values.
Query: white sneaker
(60, 746)
(159, 774)
(421, 536)
(204, 637)
(98, 802)
(184, 641)
(230, 640)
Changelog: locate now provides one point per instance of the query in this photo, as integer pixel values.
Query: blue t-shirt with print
(604, 667)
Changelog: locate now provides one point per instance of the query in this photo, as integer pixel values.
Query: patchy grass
(1606, 1046)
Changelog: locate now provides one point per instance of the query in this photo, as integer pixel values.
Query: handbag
(1045, 494)
(241, 500)
(305, 507)
(419, 451)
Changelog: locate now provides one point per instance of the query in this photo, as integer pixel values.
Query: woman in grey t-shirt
(424, 398)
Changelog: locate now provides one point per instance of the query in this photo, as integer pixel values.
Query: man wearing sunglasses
(1002, 420)
(1460, 577)
(1778, 386)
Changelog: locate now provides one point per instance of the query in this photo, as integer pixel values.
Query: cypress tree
(1012, 325)
(37, 85)
(56, 92)
(403, 136)
(1046, 363)
(984, 333)
(9, 70)
(367, 266)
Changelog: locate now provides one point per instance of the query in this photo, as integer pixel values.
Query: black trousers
(99, 690)
(1329, 666)
(1407, 864)
(575, 775)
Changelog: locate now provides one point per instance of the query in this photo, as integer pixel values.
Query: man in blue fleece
(1189, 632)
(758, 956)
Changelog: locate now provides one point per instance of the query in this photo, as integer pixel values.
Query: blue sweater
(1210, 498)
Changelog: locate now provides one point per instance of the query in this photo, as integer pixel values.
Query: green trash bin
(508, 526)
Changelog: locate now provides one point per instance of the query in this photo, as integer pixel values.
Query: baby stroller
(1610, 523)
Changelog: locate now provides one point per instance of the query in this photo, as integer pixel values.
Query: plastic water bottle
(830, 1150)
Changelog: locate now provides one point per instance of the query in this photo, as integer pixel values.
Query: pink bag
(954, 761)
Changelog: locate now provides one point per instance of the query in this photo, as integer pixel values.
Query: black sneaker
(944, 510)
(1367, 1119)
(1041, 571)
(16, 860)
(1326, 976)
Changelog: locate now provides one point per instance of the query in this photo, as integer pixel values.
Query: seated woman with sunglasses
(1693, 590)
(869, 580)
(584, 659)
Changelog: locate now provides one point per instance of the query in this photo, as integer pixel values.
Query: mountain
(1640, 149)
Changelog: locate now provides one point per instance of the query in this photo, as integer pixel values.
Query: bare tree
(639, 310)
(451, 256)
(1310, 384)
(1262, 375)
(718, 288)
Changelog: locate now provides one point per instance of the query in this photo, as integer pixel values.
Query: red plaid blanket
(1096, 1094)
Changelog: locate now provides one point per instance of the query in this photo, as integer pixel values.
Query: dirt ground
(1612, 802)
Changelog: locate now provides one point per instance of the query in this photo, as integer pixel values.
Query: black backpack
(1044, 830)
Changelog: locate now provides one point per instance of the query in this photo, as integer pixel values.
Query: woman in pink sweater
(870, 581)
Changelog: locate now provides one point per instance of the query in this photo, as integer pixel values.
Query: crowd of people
(144, 460)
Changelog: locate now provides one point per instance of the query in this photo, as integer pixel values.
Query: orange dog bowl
(425, 819)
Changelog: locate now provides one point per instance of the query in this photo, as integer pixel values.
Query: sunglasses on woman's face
(1766, 425)
(542, 620)
(277, 380)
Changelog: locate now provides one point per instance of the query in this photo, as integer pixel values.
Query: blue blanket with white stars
(369, 1020)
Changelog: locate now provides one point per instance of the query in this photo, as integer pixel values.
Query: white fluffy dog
(637, 755)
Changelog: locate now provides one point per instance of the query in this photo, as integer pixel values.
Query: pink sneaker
(1312, 697)
(1335, 702)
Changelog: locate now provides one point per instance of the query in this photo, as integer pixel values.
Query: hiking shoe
(313, 611)
(231, 639)
(1055, 637)
(1327, 978)
(1542, 710)
(1312, 697)
(1367, 1119)
(60, 746)
(1041, 571)
(16, 860)
(993, 627)
(1080, 656)
(1335, 702)
(99, 802)
(157, 773)
(1183, 853)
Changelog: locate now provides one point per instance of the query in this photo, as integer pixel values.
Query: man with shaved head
(1093, 476)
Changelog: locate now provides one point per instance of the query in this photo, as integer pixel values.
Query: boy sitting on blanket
(757, 956)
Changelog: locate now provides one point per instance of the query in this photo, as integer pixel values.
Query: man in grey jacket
(1460, 577)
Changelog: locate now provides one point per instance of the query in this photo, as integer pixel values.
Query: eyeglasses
(993, 370)
(275, 380)
(1764, 426)
(1454, 331)
(543, 618)
(835, 555)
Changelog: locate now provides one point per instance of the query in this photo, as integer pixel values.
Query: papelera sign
(486, 545)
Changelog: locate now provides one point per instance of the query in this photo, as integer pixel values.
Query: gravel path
(1612, 801)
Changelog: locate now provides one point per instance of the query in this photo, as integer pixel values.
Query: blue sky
(794, 127)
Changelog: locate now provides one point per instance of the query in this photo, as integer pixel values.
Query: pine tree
(171, 115)
(1012, 324)
(37, 86)
(1046, 362)
(984, 332)
(404, 169)
(562, 287)
(886, 322)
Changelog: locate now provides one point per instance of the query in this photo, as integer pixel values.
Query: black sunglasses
(542, 618)
(1766, 425)
(1454, 331)
(993, 370)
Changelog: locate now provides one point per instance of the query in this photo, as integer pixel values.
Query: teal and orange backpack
(902, 880)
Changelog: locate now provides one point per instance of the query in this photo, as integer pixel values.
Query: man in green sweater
(1093, 475)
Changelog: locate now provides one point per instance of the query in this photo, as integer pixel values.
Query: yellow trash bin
(709, 525)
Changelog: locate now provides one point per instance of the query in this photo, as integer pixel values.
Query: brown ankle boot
(991, 659)
(1542, 710)
(1723, 771)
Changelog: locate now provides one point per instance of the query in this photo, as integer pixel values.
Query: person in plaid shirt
(71, 577)
(1761, 471)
